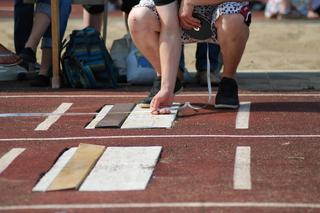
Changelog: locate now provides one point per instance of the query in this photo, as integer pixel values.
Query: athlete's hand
(161, 102)
(187, 21)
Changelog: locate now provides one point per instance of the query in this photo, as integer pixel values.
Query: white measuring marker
(47, 179)
(9, 157)
(242, 120)
(103, 112)
(142, 118)
(51, 119)
(242, 173)
(123, 169)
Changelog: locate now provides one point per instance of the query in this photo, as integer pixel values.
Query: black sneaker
(41, 81)
(227, 95)
(28, 57)
(145, 103)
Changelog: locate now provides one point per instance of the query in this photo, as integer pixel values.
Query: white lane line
(142, 118)
(51, 119)
(103, 112)
(242, 173)
(242, 120)
(156, 136)
(47, 179)
(9, 157)
(40, 114)
(123, 169)
(180, 95)
(166, 205)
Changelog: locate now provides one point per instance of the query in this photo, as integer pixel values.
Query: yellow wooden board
(77, 169)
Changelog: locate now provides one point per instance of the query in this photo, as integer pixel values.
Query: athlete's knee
(141, 19)
(232, 25)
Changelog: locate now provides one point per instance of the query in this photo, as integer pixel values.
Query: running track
(266, 162)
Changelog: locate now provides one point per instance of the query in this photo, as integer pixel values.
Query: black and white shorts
(211, 12)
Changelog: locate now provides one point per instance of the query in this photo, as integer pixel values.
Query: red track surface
(197, 160)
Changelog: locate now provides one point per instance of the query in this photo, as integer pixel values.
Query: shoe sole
(145, 105)
(225, 106)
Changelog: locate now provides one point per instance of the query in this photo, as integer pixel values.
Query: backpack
(86, 62)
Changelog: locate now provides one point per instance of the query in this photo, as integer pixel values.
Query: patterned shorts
(211, 12)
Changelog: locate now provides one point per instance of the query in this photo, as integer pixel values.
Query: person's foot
(145, 103)
(41, 81)
(28, 57)
(201, 77)
(227, 95)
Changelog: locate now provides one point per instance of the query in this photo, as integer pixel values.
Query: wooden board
(122, 169)
(116, 115)
(74, 172)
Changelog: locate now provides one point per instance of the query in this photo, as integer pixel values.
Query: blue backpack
(86, 62)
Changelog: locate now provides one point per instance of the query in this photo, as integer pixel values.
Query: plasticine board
(116, 116)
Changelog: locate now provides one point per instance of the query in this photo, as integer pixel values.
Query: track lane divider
(242, 173)
(9, 157)
(51, 119)
(242, 120)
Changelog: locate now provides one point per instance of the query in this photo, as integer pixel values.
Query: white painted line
(142, 118)
(242, 120)
(47, 179)
(51, 119)
(103, 112)
(40, 114)
(180, 95)
(9, 157)
(123, 169)
(242, 173)
(156, 136)
(166, 205)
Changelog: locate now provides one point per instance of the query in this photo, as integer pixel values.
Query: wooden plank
(55, 23)
(122, 169)
(9, 157)
(103, 112)
(74, 172)
(116, 115)
(142, 118)
(47, 179)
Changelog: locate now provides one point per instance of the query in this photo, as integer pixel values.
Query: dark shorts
(127, 5)
(94, 9)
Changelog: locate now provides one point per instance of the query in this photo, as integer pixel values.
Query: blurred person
(42, 29)
(288, 9)
(23, 21)
(215, 60)
(314, 9)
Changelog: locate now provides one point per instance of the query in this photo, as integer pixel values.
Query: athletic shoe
(145, 103)
(227, 95)
(28, 57)
(41, 81)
